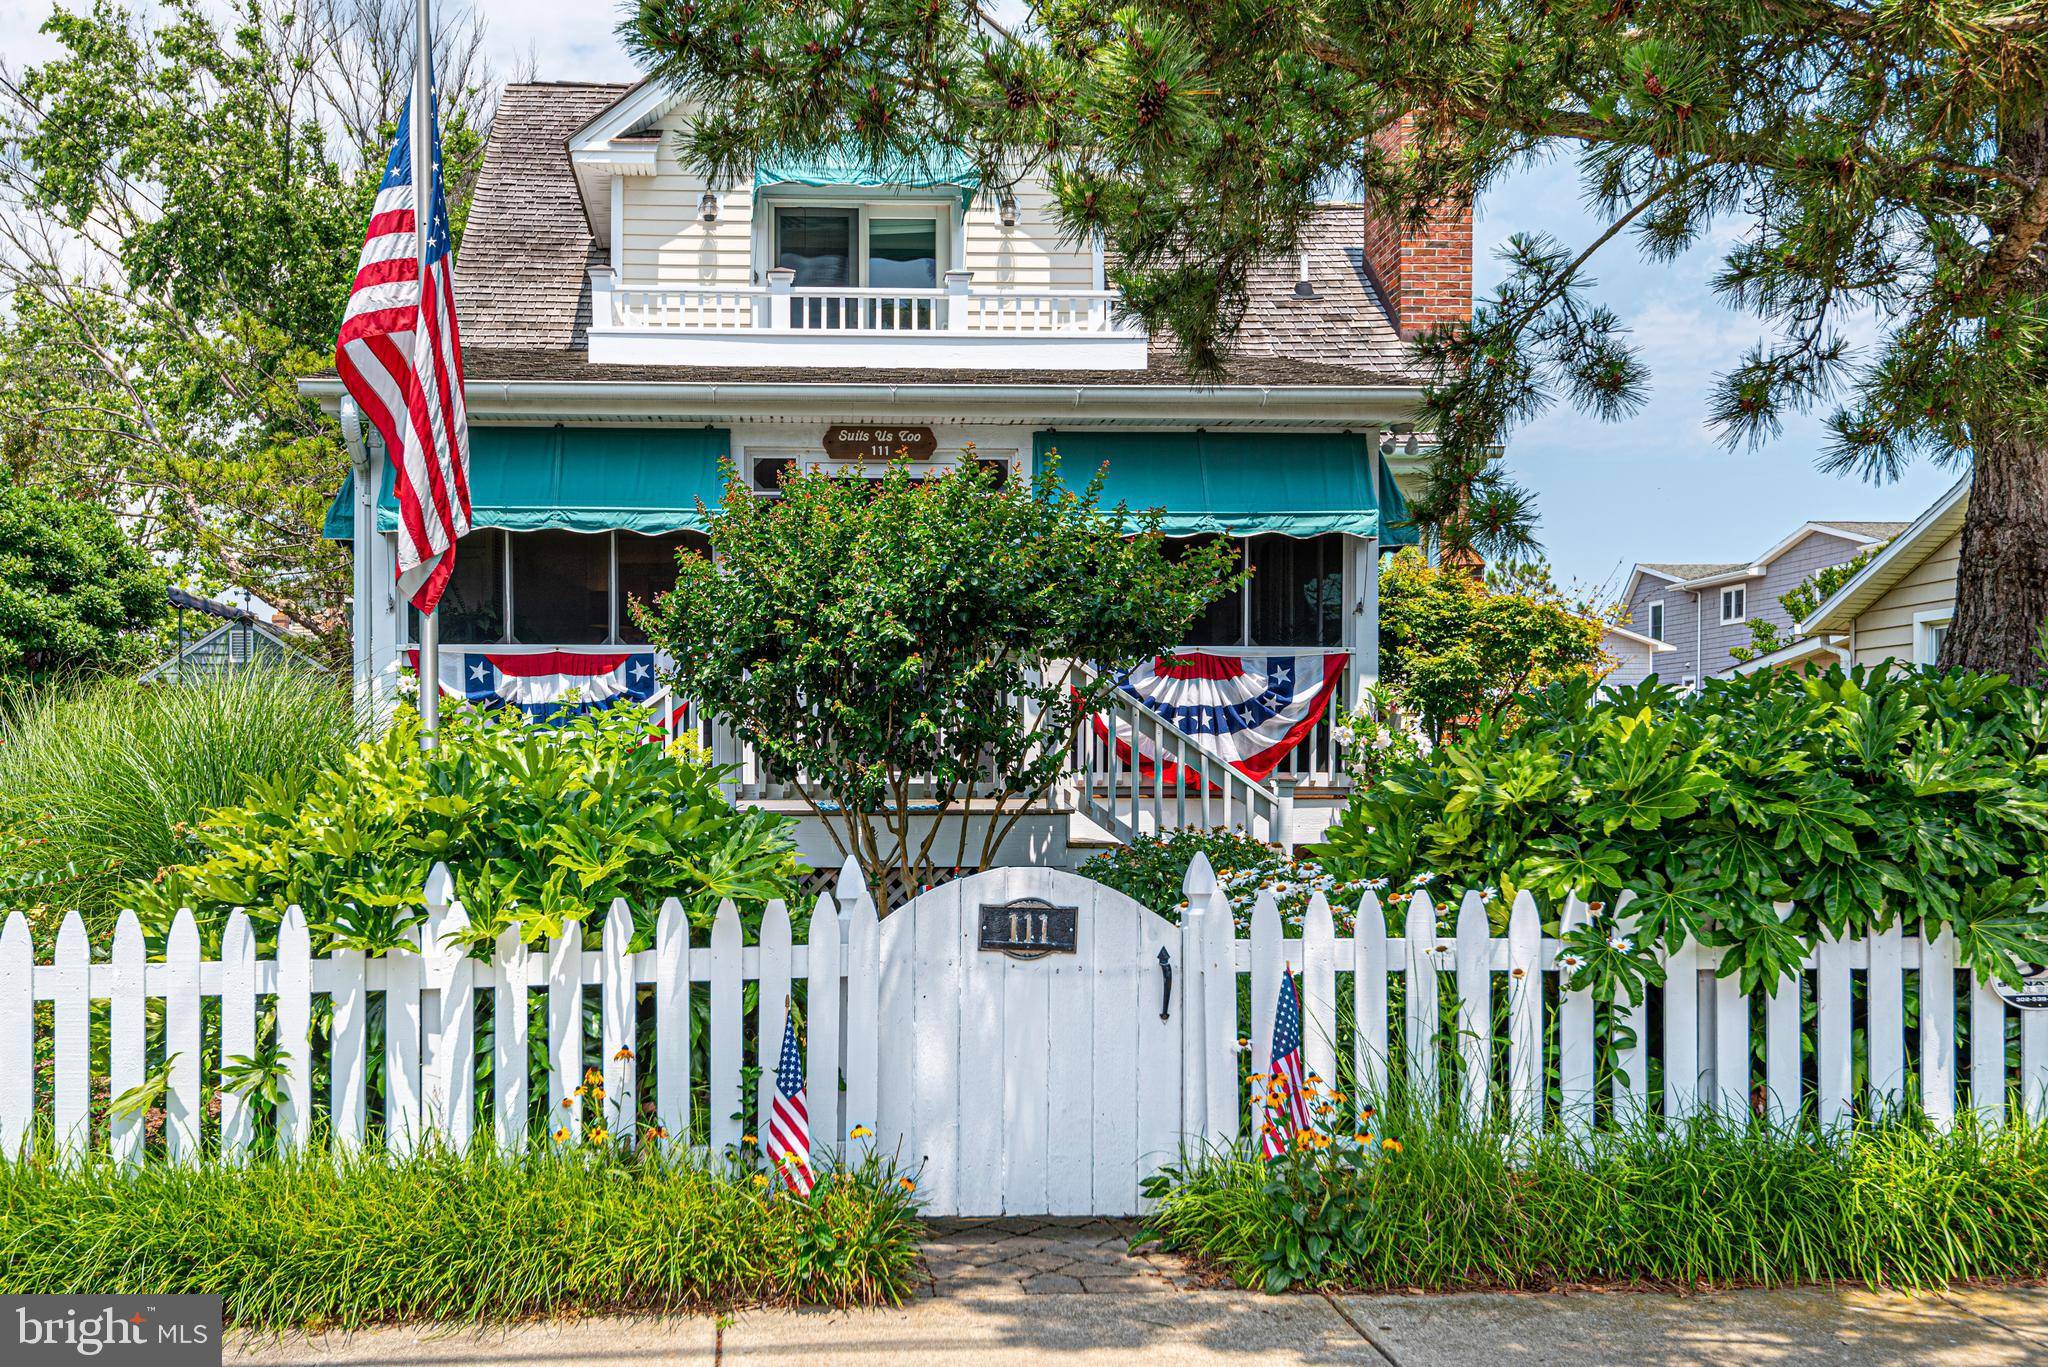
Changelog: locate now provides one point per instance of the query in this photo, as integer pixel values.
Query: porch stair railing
(1169, 779)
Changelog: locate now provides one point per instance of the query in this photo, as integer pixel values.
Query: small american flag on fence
(789, 1121)
(402, 363)
(1286, 1099)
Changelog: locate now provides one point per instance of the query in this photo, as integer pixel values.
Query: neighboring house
(214, 637)
(1897, 608)
(627, 327)
(1632, 656)
(1704, 610)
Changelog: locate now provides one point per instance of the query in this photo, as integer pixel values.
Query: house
(1631, 656)
(237, 640)
(627, 326)
(1897, 608)
(1705, 610)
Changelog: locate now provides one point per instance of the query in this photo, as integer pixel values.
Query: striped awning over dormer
(574, 479)
(1239, 483)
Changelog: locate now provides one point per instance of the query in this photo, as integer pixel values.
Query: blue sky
(1655, 487)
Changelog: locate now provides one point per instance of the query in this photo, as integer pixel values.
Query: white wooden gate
(1047, 1086)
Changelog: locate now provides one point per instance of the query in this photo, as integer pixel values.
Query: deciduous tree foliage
(75, 594)
(895, 646)
(1880, 165)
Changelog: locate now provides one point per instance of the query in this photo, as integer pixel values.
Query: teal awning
(575, 479)
(1237, 483)
(851, 167)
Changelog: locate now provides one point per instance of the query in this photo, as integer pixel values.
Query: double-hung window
(1656, 614)
(1734, 604)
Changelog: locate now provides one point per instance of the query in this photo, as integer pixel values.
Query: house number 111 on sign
(1028, 928)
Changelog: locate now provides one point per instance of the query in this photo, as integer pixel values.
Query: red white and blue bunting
(540, 683)
(1249, 710)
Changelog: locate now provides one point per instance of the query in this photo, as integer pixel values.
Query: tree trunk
(2002, 580)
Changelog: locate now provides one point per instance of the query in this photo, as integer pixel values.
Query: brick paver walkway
(1044, 1257)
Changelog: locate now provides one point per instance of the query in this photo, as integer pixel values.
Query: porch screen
(574, 479)
(1235, 483)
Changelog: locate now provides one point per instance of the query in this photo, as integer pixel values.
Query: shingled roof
(522, 283)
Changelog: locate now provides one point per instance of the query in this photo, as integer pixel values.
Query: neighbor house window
(1930, 634)
(1734, 604)
(1295, 597)
(1657, 620)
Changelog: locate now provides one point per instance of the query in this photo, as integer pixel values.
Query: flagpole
(422, 218)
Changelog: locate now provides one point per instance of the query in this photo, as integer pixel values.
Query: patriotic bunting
(1250, 710)
(539, 683)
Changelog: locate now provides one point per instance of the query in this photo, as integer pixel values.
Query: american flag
(789, 1122)
(407, 378)
(1287, 1107)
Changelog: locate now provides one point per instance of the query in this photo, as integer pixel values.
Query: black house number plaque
(1028, 928)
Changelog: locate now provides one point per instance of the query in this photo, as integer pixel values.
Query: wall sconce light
(707, 207)
(1006, 209)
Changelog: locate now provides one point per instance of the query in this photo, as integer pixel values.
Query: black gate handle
(1166, 983)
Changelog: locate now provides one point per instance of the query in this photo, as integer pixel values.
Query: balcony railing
(782, 324)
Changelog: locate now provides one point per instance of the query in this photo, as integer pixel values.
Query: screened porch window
(1295, 597)
(556, 588)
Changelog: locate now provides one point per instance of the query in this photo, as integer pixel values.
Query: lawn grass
(319, 1242)
(1895, 1203)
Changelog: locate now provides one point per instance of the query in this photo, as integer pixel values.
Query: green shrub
(1439, 1206)
(101, 788)
(319, 1242)
(1152, 870)
(76, 595)
(1863, 798)
(539, 824)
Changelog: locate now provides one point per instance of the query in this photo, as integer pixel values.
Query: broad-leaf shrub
(1861, 798)
(538, 824)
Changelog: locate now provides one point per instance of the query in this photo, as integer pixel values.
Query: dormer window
(885, 262)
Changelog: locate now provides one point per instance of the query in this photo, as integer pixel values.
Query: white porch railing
(845, 310)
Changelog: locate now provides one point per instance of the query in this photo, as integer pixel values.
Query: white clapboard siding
(1014, 1086)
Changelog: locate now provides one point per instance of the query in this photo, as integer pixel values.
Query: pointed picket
(184, 1104)
(511, 1033)
(17, 1036)
(1832, 1049)
(565, 1036)
(1987, 1052)
(1369, 1002)
(863, 1002)
(402, 1043)
(1781, 1040)
(1475, 1007)
(1885, 1001)
(437, 967)
(1630, 1020)
(1682, 1030)
(1266, 965)
(348, 1065)
(821, 1020)
(618, 1029)
(1420, 1008)
(127, 1064)
(1195, 887)
(1525, 1014)
(1938, 1026)
(295, 1031)
(71, 1015)
(1319, 990)
(1219, 1019)
(728, 1120)
(672, 1023)
(237, 1031)
(1575, 1059)
(1731, 1049)
(773, 1016)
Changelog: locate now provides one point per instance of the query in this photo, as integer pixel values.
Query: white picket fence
(431, 1025)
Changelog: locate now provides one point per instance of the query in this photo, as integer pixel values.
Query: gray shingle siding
(1692, 619)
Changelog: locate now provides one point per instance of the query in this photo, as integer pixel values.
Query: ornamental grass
(319, 1242)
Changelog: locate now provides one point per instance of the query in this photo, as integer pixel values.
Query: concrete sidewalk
(1018, 1292)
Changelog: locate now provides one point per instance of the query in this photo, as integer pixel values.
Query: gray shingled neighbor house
(627, 326)
(1704, 609)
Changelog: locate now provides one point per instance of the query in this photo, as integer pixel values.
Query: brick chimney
(1424, 275)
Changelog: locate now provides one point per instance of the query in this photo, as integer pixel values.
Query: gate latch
(1166, 982)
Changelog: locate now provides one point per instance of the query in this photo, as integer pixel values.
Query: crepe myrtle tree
(897, 646)
(1879, 169)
